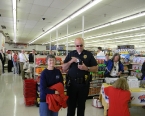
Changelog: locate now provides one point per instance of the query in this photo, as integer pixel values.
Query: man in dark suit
(2, 58)
(31, 56)
(31, 60)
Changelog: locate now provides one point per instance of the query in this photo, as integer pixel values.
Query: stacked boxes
(29, 92)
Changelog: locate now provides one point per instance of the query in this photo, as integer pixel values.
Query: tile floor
(12, 103)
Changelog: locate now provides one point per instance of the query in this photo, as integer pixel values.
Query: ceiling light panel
(108, 24)
(14, 19)
(88, 6)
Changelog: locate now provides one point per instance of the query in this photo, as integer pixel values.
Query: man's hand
(119, 73)
(83, 67)
(73, 59)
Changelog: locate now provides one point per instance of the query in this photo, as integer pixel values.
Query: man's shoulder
(87, 52)
(72, 52)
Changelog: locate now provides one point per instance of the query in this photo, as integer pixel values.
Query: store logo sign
(57, 76)
(142, 98)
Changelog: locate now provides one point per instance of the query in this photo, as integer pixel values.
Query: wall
(2, 40)
(11, 47)
(40, 47)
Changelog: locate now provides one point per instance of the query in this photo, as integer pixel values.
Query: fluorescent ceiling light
(114, 33)
(14, 18)
(129, 18)
(108, 24)
(88, 6)
(91, 4)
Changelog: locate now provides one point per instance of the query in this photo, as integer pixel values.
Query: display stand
(97, 79)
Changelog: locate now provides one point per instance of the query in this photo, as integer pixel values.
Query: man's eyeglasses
(79, 45)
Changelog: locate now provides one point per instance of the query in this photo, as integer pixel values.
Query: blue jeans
(16, 67)
(44, 111)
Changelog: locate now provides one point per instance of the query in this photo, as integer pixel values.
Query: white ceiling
(31, 12)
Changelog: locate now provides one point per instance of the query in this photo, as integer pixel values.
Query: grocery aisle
(12, 103)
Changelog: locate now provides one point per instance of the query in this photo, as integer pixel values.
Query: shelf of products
(97, 79)
(136, 66)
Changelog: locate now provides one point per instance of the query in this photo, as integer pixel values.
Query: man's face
(22, 51)
(79, 44)
(33, 51)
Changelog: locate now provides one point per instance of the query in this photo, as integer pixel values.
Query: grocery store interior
(117, 26)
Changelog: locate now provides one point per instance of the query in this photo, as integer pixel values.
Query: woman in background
(143, 71)
(15, 63)
(10, 62)
(106, 59)
(114, 67)
(119, 97)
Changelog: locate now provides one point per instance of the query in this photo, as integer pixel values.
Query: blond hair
(121, 83)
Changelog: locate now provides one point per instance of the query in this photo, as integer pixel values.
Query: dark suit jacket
(3, 59)
(31, 57)
(143, 70)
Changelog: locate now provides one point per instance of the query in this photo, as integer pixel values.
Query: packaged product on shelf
(135, 60)
(38, 79)
(58, 61)
(40, 61)
(38, 70)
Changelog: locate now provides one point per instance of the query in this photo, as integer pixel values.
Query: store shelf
(45, 66)
(95, 86)
(92, 95)
(37, 74)
(125, 64)
(41, 66)
(98, 79)
(136, 63)
(125, 72)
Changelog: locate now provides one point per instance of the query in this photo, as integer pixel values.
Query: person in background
(119, 98)
(114, 67)
(106, 59)
(79, 64)
(22, 58)
(143, 71)
(49, 76)
(3, 59)
(44, 53)
(100, 52)
(51, 52)
(15, 62)
(10, 62)
(31, 61)
(31, 57)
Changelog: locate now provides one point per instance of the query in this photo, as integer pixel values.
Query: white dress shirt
(100, 53)
(23, 57)
(9, 56)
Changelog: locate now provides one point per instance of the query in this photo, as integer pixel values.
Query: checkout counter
(137, 96)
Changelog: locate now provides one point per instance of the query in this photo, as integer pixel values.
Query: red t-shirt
(118, 101)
